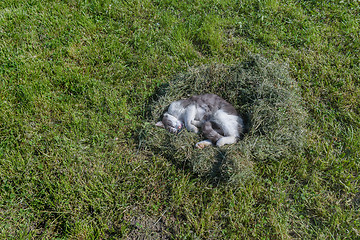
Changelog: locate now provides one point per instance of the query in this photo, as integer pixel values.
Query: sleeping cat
(217, 119)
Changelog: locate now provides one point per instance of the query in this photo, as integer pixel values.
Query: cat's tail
(214, 136)
(210, 133)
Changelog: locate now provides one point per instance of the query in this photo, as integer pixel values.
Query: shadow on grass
(264, 95)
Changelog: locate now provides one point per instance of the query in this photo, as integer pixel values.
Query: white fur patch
(190, 114)
(229, 123)
(226, 140)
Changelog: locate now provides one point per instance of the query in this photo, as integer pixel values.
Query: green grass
(77, 77)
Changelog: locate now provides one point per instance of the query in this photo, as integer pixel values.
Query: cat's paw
(203, 144)
(194, 129)
(226, 140)
(197, 123)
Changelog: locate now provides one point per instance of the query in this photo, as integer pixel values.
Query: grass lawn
(77, 77)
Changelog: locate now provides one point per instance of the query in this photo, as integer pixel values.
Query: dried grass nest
(266, 97)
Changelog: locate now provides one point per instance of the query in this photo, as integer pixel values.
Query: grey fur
(211, 103)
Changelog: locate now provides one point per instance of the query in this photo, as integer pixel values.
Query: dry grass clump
(263, 93)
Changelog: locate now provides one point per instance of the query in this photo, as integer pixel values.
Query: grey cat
(219, 121)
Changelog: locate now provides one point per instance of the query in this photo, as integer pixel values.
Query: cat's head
(170, 123)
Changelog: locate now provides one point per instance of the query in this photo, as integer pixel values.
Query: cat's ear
(160, 124)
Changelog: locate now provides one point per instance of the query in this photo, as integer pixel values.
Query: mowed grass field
(76, 80)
